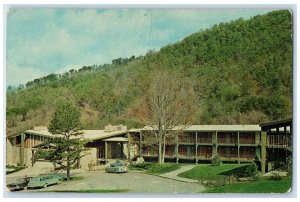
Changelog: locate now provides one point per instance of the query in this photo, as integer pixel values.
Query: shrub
(41, 154)
(289, 166)
(216, 161)
(276, 176)
(251, 170)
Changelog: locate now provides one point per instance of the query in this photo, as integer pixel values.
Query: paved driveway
(132, 181)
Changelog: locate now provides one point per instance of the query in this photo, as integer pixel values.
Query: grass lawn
(264, 185)
(209, 172)
(154, 168)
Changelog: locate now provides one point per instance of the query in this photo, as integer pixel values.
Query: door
(101, 153)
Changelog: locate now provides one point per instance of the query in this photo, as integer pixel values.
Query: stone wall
(90, 157)
(28, 157)
(13, 154)
(9, 152)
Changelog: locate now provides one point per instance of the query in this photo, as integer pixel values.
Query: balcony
(278, 141)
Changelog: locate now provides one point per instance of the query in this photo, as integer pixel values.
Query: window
(18, 141)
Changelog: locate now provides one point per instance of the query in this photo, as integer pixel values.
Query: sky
(41, 41)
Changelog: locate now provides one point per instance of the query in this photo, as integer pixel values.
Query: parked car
(117, 167)
(43, 181)
(19, 184)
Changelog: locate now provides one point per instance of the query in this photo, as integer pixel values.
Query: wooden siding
(186, 151)
(170, 150)
(247, 138)
(187, 138)
(204, 138)
(149, 151)
(247, 153)
(221, 139)
(233, 138)
(204, 151)
(33, 140)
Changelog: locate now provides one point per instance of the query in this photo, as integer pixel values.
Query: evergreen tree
(68, 141)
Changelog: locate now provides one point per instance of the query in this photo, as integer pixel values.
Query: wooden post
(105, 148)
(196, 150)
(214, 142)
(128, 147)
(238, 144)
(122, 148)
(176, 149)
(32, 158)
(140, 146)
(263, 151)
(285, 141)
(22, 149)
(257, 138)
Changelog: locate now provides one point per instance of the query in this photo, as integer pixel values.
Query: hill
(241, 73)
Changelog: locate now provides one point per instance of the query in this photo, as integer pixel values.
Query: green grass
(93, 191)
(264, 185)
(16, 168)
(154, 168)
(209, 172)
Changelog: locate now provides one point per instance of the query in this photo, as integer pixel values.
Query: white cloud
(21, 75)
(52, 40)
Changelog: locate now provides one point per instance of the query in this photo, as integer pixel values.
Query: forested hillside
(241, 73)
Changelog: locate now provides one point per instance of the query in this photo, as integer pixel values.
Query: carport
(116, 148)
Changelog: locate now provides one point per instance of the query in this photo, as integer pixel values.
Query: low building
(110, 143)
(232, 143)
(266, 143)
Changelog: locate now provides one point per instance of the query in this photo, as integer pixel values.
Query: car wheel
(45, 185)
(59, 181)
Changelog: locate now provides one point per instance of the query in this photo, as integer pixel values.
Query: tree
(170, 102)
(68, 140)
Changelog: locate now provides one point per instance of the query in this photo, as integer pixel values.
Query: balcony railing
(278, 141)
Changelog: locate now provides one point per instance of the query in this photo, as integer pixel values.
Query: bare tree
(171, 105)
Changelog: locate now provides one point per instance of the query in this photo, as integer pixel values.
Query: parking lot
(132, 182)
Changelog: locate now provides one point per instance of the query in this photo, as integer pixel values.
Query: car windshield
(117, 164)
(35, 179)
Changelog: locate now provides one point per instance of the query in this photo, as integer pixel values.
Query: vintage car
(19, 184)
(117, 167)
(43, 181)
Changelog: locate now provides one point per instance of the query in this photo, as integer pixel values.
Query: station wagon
(44, 181)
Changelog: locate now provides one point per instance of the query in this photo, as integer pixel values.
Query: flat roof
(88, 134)
(102, 134)
(276, 124)
(207, 128)
(116, 139)
(45, 132)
